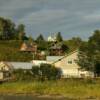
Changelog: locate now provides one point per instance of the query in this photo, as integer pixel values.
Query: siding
(1, 75)
(71, 69)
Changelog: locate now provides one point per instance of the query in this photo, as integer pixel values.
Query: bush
(35, 72)
(23, 75)
(46, 72)
(40, 73)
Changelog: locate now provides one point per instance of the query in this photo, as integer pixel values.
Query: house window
(75, 60)
(70, 62)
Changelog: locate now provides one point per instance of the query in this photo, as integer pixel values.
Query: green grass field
(10, 51)
(72, 88)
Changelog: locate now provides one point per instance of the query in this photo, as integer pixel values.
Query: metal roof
(53, 58)
(22, 65)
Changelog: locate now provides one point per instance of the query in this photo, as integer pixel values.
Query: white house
(38, 62)
(52, 39)
(69, 67)
(6, 70)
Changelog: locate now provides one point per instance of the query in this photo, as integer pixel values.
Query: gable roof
(26, 46)
(53, 58)
(8, 65)
(65, 56)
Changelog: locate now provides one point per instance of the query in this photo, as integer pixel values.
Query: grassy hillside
(9, 51)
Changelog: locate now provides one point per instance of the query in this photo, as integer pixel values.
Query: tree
(21, 31)
(42, 44)
(40, 38)
(7, 29)
(49, 72)
(65, 48)
(59, 37)
(77, 40)
(35, 72)
(30, 39)
(23, 74)
(46, 72)
(9, 32)
(89, 54)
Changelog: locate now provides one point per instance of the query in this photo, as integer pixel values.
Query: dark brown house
(56, 49)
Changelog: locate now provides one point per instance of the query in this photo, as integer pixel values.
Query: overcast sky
(70, 17)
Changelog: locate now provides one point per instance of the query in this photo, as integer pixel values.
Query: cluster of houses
(67, 63)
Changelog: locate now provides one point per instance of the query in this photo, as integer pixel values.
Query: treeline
(89, 54)
(9, 30)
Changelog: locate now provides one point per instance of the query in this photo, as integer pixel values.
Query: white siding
(1, 75)
(38, 62)
(70, 68)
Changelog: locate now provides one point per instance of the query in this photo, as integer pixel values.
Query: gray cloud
(71, 17)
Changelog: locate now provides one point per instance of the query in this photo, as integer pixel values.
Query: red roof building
(28, 47)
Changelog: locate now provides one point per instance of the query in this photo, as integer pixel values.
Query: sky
(73, 18)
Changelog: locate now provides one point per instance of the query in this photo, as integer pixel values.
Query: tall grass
(70, 88)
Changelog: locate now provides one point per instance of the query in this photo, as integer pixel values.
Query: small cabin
(6, 70)
(28, 47)
(56, 49)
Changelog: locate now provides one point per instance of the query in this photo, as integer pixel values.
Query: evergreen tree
(40, 38)
(59, 37)
(21, 31)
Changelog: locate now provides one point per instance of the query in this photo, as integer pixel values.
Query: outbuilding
(6, 70)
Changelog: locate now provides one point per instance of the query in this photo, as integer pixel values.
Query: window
(75, 60)
(69, 61)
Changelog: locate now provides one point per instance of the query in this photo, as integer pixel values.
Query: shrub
(40, 73)
(23, 74)
(46, 72)
(35, 72)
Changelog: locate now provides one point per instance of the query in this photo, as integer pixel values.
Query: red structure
(28, 47)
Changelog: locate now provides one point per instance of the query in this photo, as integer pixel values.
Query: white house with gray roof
(68, 65)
